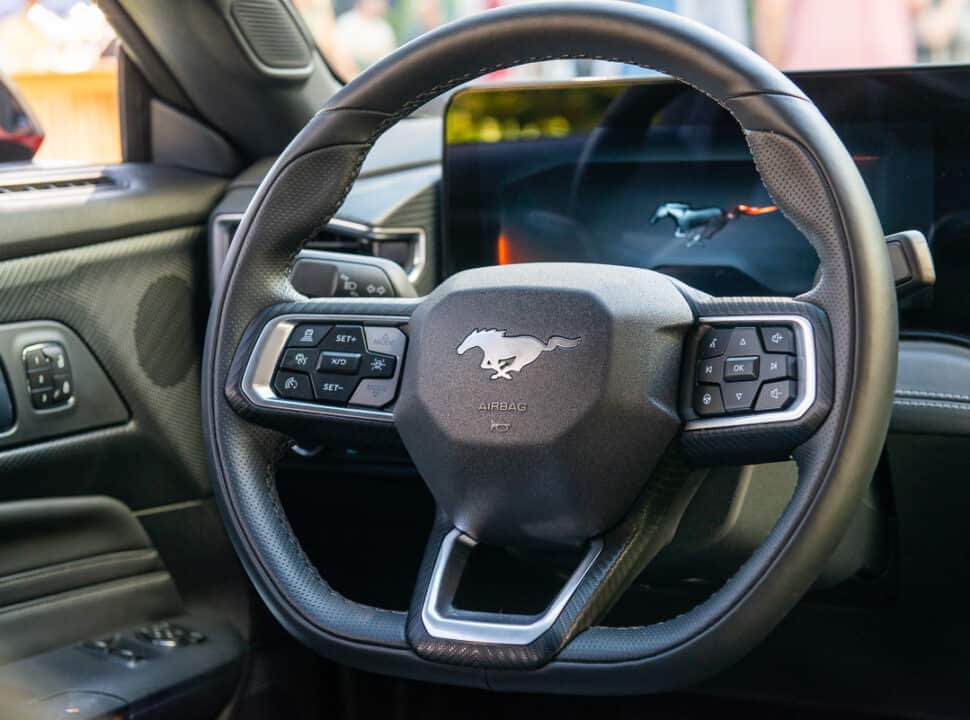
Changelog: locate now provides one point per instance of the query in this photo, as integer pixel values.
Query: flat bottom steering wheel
(555, 405)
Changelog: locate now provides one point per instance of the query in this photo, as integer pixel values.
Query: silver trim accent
(257, 383)
(220, 237)
(419, 251)
(807, 372)
(442, 620)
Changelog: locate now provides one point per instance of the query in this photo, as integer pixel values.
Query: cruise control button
(778, 339)
(293, 386)
(39, 380)
(338, 362)
(345, 338)
(374, 393)
(379, 366)
(714, 343)
(744, 341)
(332, 388)
(740, 396)
(775, 396)
(710, 371)
(777, 367)
(308, 335)
(736, 369)
(707, 400)
(297, 359)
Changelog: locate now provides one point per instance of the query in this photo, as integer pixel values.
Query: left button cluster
(48, 375)
(340, 364)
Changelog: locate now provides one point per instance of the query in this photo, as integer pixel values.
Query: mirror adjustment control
(49, 379)
(40, 379)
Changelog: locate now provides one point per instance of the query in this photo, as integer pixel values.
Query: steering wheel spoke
(609, 563)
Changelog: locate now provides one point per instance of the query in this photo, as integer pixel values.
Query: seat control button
(308, 335)
(374, 393)
(740, 396)
(714, 343)
(338, 362)
(332, 388)
(293, 386)
(707, 400)
(345, 338)
(778, 339)
(710, 371)
(775, 396)
(745, 368)
(744, 341)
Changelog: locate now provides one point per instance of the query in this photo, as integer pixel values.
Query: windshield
(792, 34)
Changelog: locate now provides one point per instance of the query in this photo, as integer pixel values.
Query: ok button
(338, 362)
(744, 368)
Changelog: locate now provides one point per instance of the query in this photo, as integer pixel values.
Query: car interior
(421, 397)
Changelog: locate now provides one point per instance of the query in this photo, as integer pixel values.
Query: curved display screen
(652, 174)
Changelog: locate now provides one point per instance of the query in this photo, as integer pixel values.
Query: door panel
(138, 304)
(75, 568)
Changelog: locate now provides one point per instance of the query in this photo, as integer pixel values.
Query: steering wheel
(554, 404)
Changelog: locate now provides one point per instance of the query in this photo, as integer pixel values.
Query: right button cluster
(746, 368)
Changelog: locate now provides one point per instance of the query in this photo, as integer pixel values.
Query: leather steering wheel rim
(811, 178)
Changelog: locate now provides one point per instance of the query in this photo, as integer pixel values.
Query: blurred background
(62, 54)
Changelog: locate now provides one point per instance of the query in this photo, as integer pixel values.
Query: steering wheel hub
(536, 398)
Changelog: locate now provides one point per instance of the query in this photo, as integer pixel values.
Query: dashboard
(649, 173)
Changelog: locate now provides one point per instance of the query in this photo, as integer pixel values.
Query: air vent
(405, 246)
(41, 185)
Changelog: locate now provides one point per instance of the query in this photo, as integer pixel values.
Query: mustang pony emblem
(505, 355)
(697, 225)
